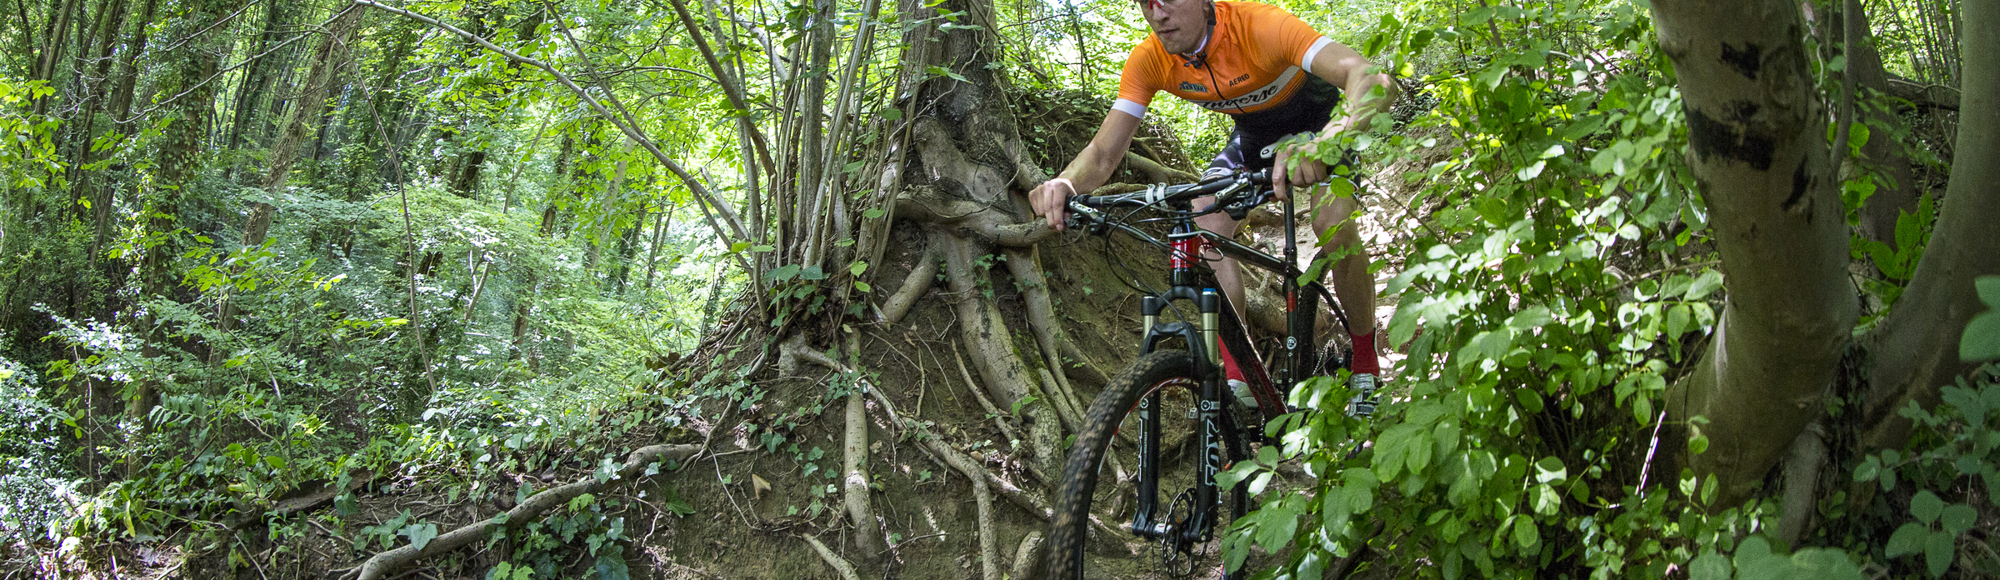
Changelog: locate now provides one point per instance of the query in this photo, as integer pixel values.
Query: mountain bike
(1170, 419)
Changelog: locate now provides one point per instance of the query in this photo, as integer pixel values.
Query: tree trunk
(197, 56)
(1757, 149)
(311, 101)
(258, 79)
(1897, 192)
(1915, 348)
(967, 163)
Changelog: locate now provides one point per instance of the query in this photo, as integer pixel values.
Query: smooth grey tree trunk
(1757, 147)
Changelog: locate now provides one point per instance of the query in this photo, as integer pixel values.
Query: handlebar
(1236, 194)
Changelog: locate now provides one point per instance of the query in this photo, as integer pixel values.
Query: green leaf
(420, 535)
(1708, 282)
(1939, 549)
(1526, 535)
(856, 268)
(1908, 539)
(1926, 507)
(1709, 566)
(1981, 340)
(1869, 469)
(1550, 470)
(1958, 518)
(1532, 171)
(872, 213)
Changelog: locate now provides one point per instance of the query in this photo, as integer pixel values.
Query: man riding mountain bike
(1276, 77)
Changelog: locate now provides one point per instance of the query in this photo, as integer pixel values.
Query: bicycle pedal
(1362, 405)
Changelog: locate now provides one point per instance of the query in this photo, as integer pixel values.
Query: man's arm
(1090, 168)
(1341, 65)
(1338, 64)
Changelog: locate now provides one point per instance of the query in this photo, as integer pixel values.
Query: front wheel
(1170, 375)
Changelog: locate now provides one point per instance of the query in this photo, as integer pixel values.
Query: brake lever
(1241, 208)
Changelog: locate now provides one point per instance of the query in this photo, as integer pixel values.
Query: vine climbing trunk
(190, 99)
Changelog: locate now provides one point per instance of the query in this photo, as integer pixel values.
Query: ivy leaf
(420, 535)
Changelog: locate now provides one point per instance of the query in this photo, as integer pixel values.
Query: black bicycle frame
(1219, 326)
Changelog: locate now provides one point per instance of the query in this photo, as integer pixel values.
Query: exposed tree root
(833, 560)
(981, 492)
(1026, 266)
(991, 346)
(382, 564)
(854, 447)
(1027, 555)
(986, 403)
(919, 282)
(1154, 171)
(1802, 472)
(854, 473)
(322, 497)
(854, 477)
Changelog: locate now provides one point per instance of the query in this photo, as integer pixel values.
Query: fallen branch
(382, 564)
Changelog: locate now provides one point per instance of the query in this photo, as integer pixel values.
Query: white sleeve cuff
(1307, 64)
(1130, 108)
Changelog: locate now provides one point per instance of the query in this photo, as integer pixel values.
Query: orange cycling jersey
(1255, 66)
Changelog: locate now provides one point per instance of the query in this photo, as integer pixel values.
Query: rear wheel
(1170, 375)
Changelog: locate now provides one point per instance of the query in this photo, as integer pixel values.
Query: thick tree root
(1802, 474)
(854, 473)
(854, 478)
(1027, 555)
(985, 403)
(922, 276)
(991, 348)
(854, 447)
(382, 564)
(1026, 266)
(833, 560)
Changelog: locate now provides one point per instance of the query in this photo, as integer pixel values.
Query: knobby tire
(1172, 372)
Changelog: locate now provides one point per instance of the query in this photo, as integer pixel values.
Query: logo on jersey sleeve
(1255, 98)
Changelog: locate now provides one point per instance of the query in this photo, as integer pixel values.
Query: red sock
(1229, 368)
(1364, 355)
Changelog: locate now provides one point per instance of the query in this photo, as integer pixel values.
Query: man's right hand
(1051, 199)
